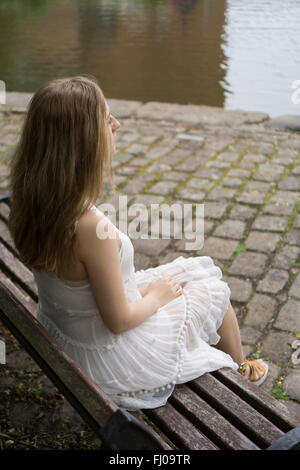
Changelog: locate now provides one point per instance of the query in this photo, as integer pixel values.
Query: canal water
(235, 54)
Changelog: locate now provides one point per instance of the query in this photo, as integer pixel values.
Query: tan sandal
(256, 371)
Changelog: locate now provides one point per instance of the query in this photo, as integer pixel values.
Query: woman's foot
(256, 371)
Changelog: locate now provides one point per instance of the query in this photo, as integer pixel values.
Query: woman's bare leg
(230, 341)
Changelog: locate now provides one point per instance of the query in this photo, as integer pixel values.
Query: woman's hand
(143, 289)
(164, 290)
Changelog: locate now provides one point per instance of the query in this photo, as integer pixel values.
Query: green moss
(278, 391)
(239, 249)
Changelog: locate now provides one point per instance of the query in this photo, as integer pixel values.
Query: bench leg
(124, 432)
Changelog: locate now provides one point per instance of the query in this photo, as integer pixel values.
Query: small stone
(251, 197)
(228, 156)
(175, 175)
(262, 241)
(248, 264)
(297, 222)
(192, 194)
(289, 316)
(157, 152)
(291, 183)
(277, 346)
(239, 173)
(218, 248)
(292, 384)
(214, 210)
(134, 187)
(286, 257)
(262, 147)
(137, 149)
(149, 246)
(163, 187)
(285, 197)
(259, 186)
(260, 311)
(295, 289)
(200, 183)
(277, 209)
(242, 212)
(208, 173)
(147, 199)
(269, 172)
(274, 224)
(249, 335)
(232, 182)
(219, 194)
(273, 282)
(254, 157)
(230, 229)
(241, 290)
(292, 237)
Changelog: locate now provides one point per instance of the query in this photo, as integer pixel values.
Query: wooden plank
(54, 360)
(19, 272)
(251, 423)
(209, 421)
(183, 433)
(18, 292)
(274, 410)
(5, 235)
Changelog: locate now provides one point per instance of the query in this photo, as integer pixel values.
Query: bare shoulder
(88, 232)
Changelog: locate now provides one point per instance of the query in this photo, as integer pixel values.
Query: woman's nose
(116, 124)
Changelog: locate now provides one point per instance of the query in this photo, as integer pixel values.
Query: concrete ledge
(290, 122)
(194, 114)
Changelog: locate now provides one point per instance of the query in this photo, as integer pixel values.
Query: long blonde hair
(57, 170)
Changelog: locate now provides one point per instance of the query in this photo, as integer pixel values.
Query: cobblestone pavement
(246, 171)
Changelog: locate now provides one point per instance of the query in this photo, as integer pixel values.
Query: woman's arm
(101, 260)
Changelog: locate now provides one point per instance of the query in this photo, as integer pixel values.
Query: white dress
(139, 368)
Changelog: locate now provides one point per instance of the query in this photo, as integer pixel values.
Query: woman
(137, 334)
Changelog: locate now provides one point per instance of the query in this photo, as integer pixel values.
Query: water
(233, 54)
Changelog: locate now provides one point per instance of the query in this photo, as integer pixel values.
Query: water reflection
(183, 6)
(234, 53)
(138, 49)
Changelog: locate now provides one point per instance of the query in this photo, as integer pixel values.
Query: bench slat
(238, 412)
(184, 434)
(211, 423)
(273, 409)
(5, 234)
(51, 357)
(18, 271)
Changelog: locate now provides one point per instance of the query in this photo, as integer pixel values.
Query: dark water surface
(235, 54)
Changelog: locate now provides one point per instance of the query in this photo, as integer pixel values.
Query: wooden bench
(219, 410)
